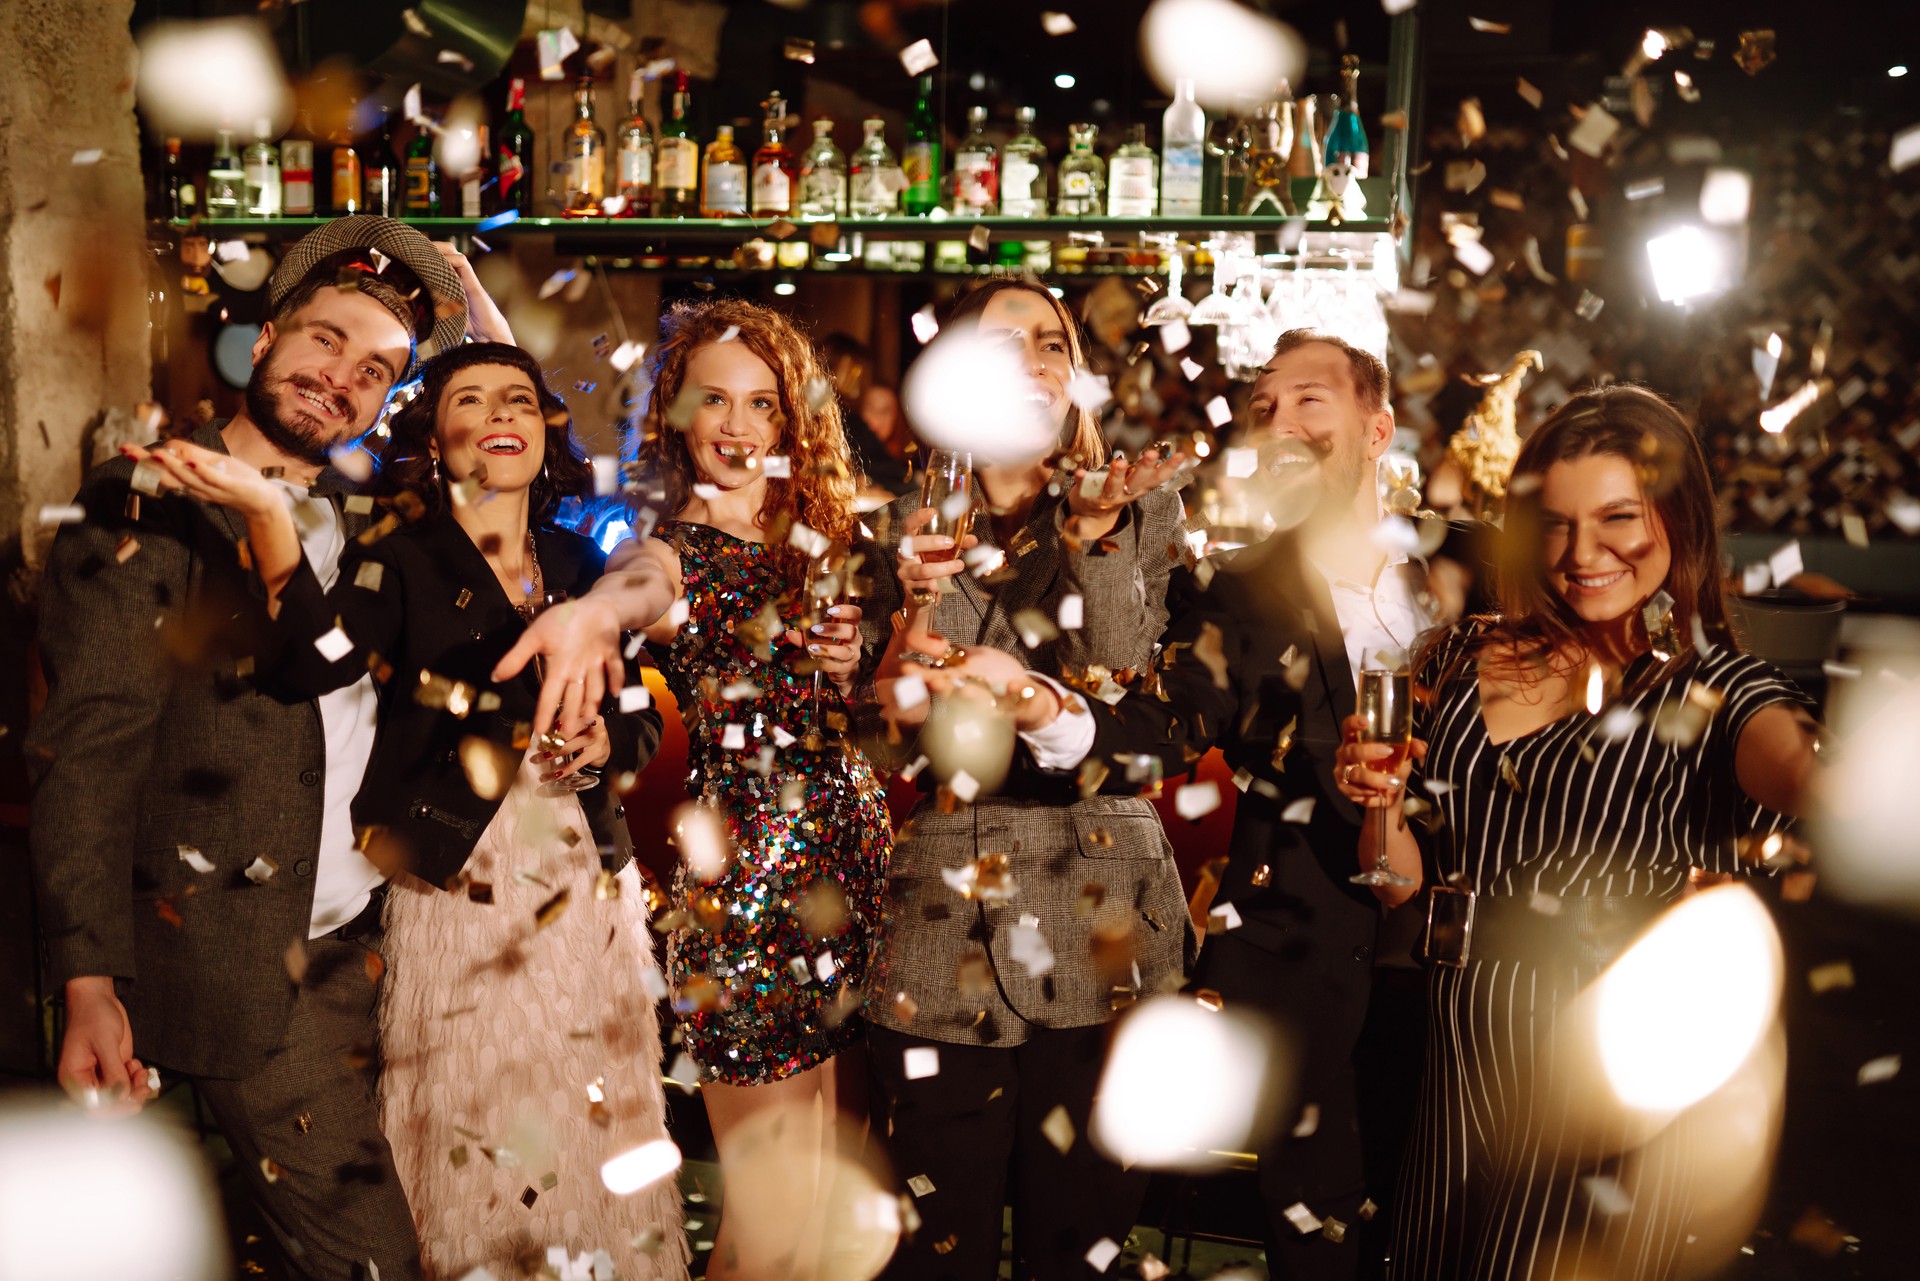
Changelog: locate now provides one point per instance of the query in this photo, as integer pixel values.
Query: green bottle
(423, 177)
(921, 160)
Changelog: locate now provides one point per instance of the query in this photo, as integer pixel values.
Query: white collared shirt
(342, 878)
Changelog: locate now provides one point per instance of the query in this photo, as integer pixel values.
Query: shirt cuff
(1065, 741)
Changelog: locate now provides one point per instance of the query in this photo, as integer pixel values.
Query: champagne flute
(946, 486)
(1386, 710)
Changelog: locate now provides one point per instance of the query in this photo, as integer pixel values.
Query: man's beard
(299, 432)
(1342, 472)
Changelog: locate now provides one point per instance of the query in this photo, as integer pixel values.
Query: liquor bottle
(178, 206)
(920, 162)
(823, 176)
(296, 178)
(385, 178)
(1347, 157)
(1269, 189)
(1183, 137)
(586, 156)
(723, 189)
(347, 181)
(1023, 171)
(776, 170)
(633, 159)
(513, 164)
(1233, 163)
(1211, 200)
(226, 180)
(877, 179)
(473, 183)
(976, 169)
(423, 177)
(261, 174)
(1083, 175)
(677, 159)
(1133, 178)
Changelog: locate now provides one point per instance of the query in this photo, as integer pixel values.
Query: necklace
(536, 588)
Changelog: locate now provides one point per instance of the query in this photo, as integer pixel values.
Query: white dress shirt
(343, 878)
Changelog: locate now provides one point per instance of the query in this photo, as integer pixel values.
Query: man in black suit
(201, 897)
(1260, 658)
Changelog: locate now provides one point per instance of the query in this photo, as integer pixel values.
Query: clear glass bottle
(261, 172)
(921, 160)
(677, 157)
(776, 170)
(876, 177)
(226, 180)
(823, 176)
(633, 158)
(976, 169)
(1023, 171)
(586, 156)
(1133, 178)
(1083, 175)
(723, 186)
(1183, 138)
(1269, 188)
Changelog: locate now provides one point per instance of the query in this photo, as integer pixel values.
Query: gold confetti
(606, 885)
(1490, 27)
(1208, 647)
(1832, 976)
(1262, 876)
(798, 50)
(1471, 121)
(549, 911)
(1755, 52)
(1528, 93)
(1510, 776)
(1058, 1127)
(128, 545)
(489, 766)
(271, 1170)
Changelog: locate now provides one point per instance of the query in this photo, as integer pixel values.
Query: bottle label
(726, 188)
(975, 183)
(1182, 177)
(679, 164)
(918, 165)
(419, 182)
(512, 170)
(586, 177)
(824, 191)
(1017, 178)
(1077, 184)
(1131, 186)
(772, 190)
(297, 195)
(346, 180)
(876, 190)
(636, 167)
(470, 197)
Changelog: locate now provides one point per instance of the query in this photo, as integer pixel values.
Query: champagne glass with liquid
(947, 488)
(1386, 710)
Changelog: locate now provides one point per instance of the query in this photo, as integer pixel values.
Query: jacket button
(310, 777)
(303, 868)
(619, 811)
(475, 633)
(1362, 952)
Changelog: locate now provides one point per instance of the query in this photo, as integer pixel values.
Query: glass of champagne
(947, 488)
(1386, 708)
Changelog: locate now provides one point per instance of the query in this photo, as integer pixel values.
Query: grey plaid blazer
(1098, 890)
(154, 738)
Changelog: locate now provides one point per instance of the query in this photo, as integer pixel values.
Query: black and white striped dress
(1621, 804)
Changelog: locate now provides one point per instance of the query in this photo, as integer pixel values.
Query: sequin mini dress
(768, 964)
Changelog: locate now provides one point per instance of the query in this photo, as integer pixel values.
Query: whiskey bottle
(677, 158)
(776, 170)
(723, 189)
(633, 161)
(586, 156)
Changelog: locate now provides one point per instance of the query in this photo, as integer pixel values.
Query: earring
(435, 459)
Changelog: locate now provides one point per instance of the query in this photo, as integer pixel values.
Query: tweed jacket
(154, 741)
(1098, 913)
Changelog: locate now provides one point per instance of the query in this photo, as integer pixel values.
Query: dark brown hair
(1371, 387)
(566, 473)
(1632, 423)
(1082, 437)
(820, 490)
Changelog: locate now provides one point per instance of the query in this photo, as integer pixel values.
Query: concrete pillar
(73, 356)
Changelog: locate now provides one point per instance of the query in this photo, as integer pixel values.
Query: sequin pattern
(767, 972)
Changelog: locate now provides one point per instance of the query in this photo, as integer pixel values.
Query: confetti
(261, 870)
(798, 50)
(1528, 93)
(920, 1185)
(1492, 28)
(1608, 1197)
(1102, 1253)
(1175, 336)
(555, 45)
(1755, 52)
(1089, 391)
(1905, 150)
(194, 859)
(62, 514)
(334, 645)
(1226, 914)
(1595, 130)
(1299, 811)
(1057, 24)
(1304, 1221)
(921, 1062)
(1195, 801)
(368, 575)
(1831, 977)
(1471, 121)
(635, 698)
(1029, 947)
(1219, 412)
(919, 57)
(1192, 369)
(1884, 1068)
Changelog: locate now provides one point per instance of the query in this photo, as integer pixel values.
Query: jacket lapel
(1328, 697)
(209, 437)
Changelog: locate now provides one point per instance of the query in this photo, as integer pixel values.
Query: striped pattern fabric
(1500, 1183)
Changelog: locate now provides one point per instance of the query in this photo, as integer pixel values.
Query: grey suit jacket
(153, 739)
(1098, 891)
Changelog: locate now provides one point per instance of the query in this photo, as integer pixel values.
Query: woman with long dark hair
(517, 1023)
(1588, 751)
(1010, 984)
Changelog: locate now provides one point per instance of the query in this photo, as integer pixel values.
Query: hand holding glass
(1386, 713)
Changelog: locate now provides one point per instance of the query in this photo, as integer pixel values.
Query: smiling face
(1604, 548)
(736, 419)
(1039, 336)
(1310, 427)
(489, 415)
(321, 377)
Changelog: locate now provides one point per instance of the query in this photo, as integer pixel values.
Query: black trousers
(974, 1133)
(333, 1198)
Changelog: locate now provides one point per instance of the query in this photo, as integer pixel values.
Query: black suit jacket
(1310, 933)
(423, 608)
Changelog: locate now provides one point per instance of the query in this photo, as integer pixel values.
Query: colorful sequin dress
(767, 971)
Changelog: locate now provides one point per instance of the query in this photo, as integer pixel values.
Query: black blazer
(423, 608)
(1311, 932)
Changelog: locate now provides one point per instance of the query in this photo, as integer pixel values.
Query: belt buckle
(1449, 935)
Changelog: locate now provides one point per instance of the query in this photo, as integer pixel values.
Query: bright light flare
(639, 1167)
(1064, 80)
(1781, 416)
(1653, 44)
(1596, 689)
(1226, 49)
(197, 78)
(705, 843)
(457, 144)
(1869, 844)
(1688, 264)
(968, 392)
(1664, 1043)
(1184, 1086)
